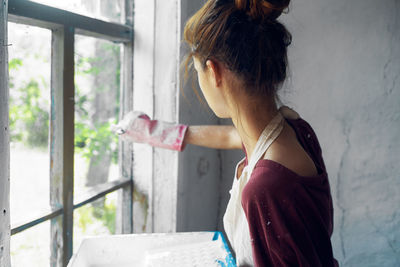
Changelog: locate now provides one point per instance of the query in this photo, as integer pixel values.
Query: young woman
(280, 211)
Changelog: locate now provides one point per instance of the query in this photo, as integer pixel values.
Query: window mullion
(125, 208)
(68, 142)
(62, 144)
(56, 145)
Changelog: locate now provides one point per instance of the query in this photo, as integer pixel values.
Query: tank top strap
(267, 137)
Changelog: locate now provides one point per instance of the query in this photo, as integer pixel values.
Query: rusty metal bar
(91, 195)
(25, 226)
(99, 191)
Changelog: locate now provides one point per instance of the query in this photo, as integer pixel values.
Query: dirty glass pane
(32, 246)
(96, 218)
(107, 10)
(29, 66)
(97, 72)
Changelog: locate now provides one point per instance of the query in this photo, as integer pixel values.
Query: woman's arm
(139, 128)
(213, 136)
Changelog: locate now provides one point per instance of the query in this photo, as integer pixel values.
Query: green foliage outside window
(95, 139)
(29, 124)
(29, 116)
(88, 214)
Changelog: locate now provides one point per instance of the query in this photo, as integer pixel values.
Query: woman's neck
(251, 119)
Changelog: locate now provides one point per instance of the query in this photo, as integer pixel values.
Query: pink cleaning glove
(137, 127)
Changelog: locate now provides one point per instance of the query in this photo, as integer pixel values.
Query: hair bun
(263, 9)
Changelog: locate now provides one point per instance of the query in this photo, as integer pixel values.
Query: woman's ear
(215, 70)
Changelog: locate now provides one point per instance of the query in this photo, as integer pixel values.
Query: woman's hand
(137, 127)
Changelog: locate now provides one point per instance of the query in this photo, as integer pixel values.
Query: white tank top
(235, 222)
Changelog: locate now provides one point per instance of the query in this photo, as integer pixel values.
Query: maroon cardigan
(290, 216)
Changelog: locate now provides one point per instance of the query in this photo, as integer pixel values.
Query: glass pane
(32, 246)
(96, 218)
(97, 65)
(107, 10)
(29, 66)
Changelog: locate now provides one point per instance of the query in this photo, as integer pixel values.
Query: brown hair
(245, 36)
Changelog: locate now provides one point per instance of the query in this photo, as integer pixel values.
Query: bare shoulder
(287, 151)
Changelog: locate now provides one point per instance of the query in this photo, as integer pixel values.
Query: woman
(280, 211)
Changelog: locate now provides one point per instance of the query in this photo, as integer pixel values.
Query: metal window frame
(64, 25)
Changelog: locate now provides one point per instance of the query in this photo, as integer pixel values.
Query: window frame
(64, 25)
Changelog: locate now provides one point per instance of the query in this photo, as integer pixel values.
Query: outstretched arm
(213, 136)
(139, 128)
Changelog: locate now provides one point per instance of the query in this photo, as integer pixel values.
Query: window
(29, 106)
(61, 111)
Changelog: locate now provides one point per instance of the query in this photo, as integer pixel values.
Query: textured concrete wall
(205, 175)
(345, 64)
(199, 168)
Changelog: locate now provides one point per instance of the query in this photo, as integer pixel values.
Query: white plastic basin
(172, 249)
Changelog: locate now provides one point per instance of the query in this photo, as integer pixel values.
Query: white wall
(4, 144)
(156, 86)
(345, 64)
